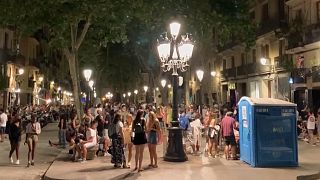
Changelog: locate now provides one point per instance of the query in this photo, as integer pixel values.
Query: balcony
(299, 75)
(242, 70)
(281, 62)
(229, 73)
(257, 68)
(316, 74)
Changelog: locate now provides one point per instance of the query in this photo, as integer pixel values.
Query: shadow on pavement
(309, 177)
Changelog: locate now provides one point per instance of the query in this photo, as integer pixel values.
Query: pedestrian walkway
(45, 155)
(198, 168)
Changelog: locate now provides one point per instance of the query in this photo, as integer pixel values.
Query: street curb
(62, 154)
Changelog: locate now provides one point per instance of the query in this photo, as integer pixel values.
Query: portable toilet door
(245, 126)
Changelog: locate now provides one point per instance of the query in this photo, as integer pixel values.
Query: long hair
(138, 117)
(116, 118)
(152, 119)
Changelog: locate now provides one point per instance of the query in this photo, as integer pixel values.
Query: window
(254, 58)
(318, 11)
(265, 12)
(232, 62)
(224, 64)
(243, 62)
(267, 50)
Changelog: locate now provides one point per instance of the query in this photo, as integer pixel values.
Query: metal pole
(175, 113)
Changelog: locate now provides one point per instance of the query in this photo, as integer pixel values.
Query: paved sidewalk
(198, 167)
(45, 155)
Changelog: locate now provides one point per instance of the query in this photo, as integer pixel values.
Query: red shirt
(227, 126)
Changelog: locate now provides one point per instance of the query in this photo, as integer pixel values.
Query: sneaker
(83, 161)
(11, 160)
(17, 162)
(80, 159)
(305, 139)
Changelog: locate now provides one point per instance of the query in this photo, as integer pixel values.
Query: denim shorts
(152, 137)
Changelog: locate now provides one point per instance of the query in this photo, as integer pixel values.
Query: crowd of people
(116, 129)
(309, 125)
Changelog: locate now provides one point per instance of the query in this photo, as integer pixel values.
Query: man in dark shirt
(227, 125)
(62, 130)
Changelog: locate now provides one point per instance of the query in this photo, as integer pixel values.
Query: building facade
(259, 71)
(18, 69)
(304, 48)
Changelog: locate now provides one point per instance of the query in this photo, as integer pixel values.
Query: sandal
(140, 170)
(150, 165)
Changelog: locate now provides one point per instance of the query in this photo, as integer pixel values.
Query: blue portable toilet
(268, 132)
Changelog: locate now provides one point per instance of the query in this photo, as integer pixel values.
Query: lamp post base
(175, 151)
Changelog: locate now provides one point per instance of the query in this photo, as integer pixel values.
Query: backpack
(112, 130)
(138, 127)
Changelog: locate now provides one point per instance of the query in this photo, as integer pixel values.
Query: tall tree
(67, 23)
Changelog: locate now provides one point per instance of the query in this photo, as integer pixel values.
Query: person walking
(228, 123)
(153, 130)
(311, 126)
(15, 138)
(139, 138)
(3, 124)
(213, 135)
(33, 129)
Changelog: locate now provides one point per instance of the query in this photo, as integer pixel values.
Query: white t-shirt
(118, 126)
(3, 119)
(311, 124)
(92, 133)
(196, 125)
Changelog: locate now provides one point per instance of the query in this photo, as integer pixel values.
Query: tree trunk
(71, 57)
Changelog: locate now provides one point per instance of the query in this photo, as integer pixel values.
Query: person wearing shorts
(33, 129)
(90, 142)
(228, 124)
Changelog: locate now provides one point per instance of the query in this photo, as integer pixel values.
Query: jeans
(62, 137)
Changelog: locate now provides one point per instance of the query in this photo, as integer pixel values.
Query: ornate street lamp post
(135, 96)
(145, 88)
(87, 75)
(175, 54)
(200, 77)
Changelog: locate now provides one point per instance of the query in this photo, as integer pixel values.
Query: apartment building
(18, 68)
(257, 72)
(304, 48)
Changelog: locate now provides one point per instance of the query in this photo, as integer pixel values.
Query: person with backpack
(117, 137)
(139, 138)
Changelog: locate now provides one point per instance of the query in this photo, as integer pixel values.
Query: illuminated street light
(135, 92)
(263, 61)
(213, 73)
(145, 88)
(87, 74)
(21, 71)
(169, 86)
(129, 94)
(163, 83)
(200, 75)
(91, 83)
(124, 95)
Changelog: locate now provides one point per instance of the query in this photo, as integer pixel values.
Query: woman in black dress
(116, 135)
(139, 138)
(15, 138)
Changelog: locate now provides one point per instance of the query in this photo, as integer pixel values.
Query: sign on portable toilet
(268, 132)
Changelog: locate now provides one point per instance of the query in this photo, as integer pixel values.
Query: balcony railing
(229, 73)
(257, 68)
(299, 75)
(316, 74)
